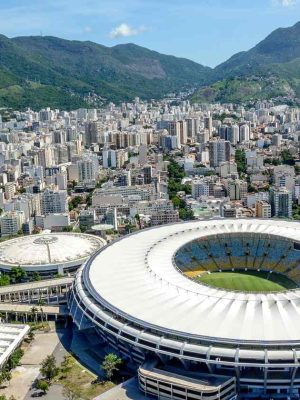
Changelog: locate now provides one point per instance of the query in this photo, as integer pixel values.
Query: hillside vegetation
(41, 71)
(48, 71)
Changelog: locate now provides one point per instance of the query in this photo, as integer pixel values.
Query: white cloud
(125, 30)
(284, 3)
(87, 29)
(287, 3)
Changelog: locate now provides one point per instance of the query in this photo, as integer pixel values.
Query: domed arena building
(206, 309)
(48, 254)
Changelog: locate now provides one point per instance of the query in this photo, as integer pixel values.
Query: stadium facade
(190, 340)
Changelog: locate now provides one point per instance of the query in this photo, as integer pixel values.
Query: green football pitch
(248, 281)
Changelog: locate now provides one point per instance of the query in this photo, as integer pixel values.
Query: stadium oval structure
(48, 254)
(139, 295)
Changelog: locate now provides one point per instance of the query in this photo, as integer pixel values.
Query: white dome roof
(48, 249)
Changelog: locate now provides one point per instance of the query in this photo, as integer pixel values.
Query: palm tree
(41, 302)
(2, 317)
(138, 218)
(34, 311)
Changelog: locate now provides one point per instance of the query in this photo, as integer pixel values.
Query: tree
(41, 303)
(240, 159)
(15, 358)
(128, 227)
(42, 385)
(68, 228)
(66, 364)
(31, 335)
(111, 364)
(5, 376)
(34, 311)
(17, 274)
(138, 218)
(3, 317)
(4, 280)
(36, 276)
(49, 369)
(287, 157)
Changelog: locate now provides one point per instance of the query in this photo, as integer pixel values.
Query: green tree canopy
(42, 385)
(49, 368)
(111, 364)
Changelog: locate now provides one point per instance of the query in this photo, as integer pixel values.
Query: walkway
(24, 375)
(48, 310)
(49, 290)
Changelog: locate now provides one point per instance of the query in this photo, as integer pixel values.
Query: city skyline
(207, 33)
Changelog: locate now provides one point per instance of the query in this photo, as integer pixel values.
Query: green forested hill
(38, 71)
(48, 71)
(270, 69)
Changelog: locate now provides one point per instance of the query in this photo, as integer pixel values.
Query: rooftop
(11, 336)
(47, 249)
(135, 277)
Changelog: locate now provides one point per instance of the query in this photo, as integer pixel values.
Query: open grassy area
(81, 381)
(248, 281)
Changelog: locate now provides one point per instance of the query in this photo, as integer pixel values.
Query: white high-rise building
(9, 190)
(244, 133)
(233, 134)
(237, 189)
(228, 168)
(200, 187)
(276, 139)
(219, 151)
(11, 222)
(174, 130)
(86, 170)
(263, 209)
(143, 154)
(281, 202)
(109, 158)
(54, 201)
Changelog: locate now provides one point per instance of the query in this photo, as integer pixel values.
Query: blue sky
(206, 31)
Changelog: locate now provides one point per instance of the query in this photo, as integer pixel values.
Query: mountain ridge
(277, 57)
(118, 73)
(39, 71)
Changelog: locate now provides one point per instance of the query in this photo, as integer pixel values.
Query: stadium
(48, 254)
(206, 309)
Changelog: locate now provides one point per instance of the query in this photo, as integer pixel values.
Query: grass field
(72, 375)
(248, 281)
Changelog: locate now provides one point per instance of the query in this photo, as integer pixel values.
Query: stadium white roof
(135, 277)
(48, 249)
